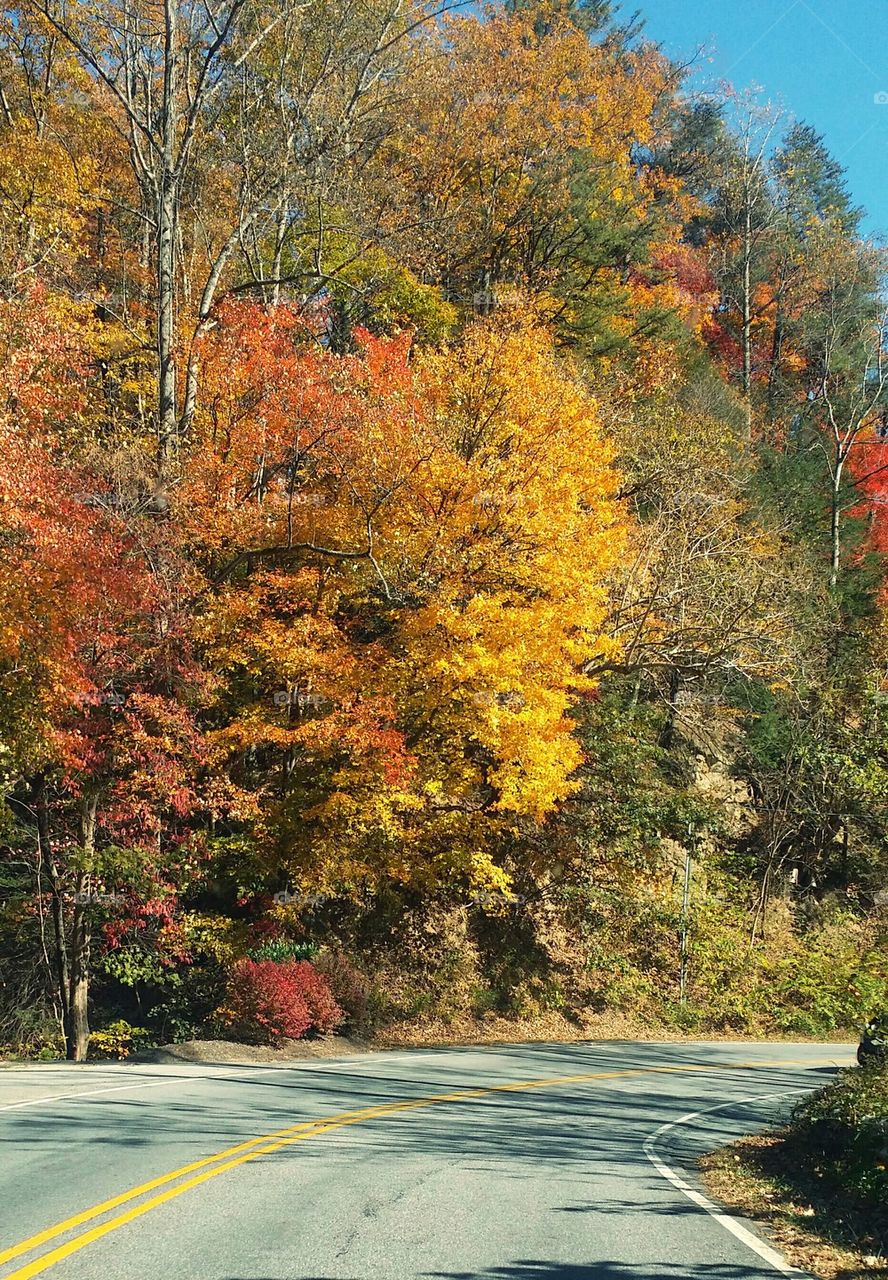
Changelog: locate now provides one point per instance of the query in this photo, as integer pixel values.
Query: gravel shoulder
(467, 1033)
(233, 1054)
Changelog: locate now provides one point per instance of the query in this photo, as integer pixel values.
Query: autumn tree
(425, 434)
(416, 557)
(100, 747)
(514, 163)
(846, 374)
(286, 92)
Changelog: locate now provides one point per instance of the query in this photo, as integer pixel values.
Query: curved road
(521, 1162)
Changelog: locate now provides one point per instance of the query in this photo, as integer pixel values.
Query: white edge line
(764, 1251)
(88, 1093)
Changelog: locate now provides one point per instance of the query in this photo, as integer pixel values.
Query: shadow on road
(662, 1208)
(211, 1118)
(534, 1269)
(537, 1269)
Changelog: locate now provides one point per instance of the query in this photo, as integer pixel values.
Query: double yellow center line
(212, 1166)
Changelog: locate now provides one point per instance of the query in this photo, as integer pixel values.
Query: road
(520, 1162)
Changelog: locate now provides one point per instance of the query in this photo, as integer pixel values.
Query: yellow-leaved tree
(407, 567)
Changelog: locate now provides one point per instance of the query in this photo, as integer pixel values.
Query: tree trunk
(773, 372)
(77, 1023)
(167, 209)
(77, 1028)
(166, 363)
(747, 316)
(278, 257)
(47, 863)
(667, 734)
(203, 320)
(835, 524)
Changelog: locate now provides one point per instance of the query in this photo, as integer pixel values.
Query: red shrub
(268, 1001)
(326, 1014)
(264, 1003)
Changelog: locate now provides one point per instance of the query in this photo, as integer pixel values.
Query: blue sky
(823, 60)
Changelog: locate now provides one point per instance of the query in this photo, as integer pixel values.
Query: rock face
(705, 733)
(716, 784)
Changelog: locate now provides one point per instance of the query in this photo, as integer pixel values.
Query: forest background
(443, 518)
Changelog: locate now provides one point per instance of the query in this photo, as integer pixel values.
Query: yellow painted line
(244, 1152)
(97, 1210)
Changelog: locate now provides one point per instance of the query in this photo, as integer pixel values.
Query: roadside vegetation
(821, 1184)
(443, 515)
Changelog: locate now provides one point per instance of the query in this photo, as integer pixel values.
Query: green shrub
(815, 981)
(844, 1130)
(49, 1047)
(281, 950)
(117, 1041)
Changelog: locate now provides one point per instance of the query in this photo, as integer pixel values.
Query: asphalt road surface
(522, 1162)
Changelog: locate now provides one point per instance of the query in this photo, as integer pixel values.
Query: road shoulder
(762, 1179)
